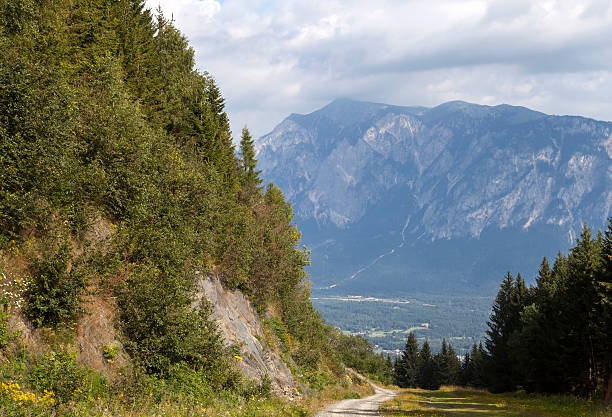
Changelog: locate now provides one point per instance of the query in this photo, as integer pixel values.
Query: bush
(110, 351)
(256, 388)
(4, 332)
(60, 373)
(165, 329)
(54, 295)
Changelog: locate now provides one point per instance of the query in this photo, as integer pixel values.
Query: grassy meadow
(467, 402)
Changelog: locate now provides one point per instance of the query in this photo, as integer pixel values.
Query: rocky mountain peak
(448, 172)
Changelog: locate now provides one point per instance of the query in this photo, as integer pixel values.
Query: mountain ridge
(452, 171)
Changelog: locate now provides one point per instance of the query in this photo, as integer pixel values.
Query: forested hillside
(119, 186)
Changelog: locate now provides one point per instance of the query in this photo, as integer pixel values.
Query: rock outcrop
(240, 324)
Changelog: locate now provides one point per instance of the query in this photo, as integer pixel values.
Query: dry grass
(95, 331)
(466, 402)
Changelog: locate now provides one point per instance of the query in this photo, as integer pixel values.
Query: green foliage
(449, 365)
(59, 372)
(5, 334)
(164, 329)
(414, 368)
(279, 329)
(110, 352)
(249, 175)
(357, 353)
(54, 293)
(255, 388)
(104, 119)
(554, 337)
(504, 320)
(428, 370)
(406, 370)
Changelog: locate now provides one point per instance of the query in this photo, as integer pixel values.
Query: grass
(467, 402)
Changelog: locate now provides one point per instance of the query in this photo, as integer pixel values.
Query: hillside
(398, 200)
(132, 230)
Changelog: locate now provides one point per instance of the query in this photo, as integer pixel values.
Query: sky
(272, 58)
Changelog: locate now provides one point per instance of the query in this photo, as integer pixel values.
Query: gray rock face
(239, 324)
(448, 172)
(466, 166)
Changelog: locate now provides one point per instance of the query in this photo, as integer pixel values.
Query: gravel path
(360, 407)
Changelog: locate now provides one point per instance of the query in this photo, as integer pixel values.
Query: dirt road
(360, 407)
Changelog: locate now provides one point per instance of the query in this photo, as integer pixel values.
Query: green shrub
(165, 329)
(256, 388)
(110, 351)
(54, 294)
(280, 331)
(60, 373)
(4, 332)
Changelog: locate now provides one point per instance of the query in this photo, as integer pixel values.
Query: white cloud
(272, 57)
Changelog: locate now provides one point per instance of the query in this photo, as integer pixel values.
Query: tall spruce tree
(544, 282)
(249, 175)
(453, 366)
(580, 316)
(467, 370)
(504, 320)
(406, 366)
(604, 287)
(479, 363)
(428, 376)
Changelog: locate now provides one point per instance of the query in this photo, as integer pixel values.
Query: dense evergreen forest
(120, 183)
(553, 337)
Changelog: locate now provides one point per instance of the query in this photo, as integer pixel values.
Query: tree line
(417, 367)
(553, 337)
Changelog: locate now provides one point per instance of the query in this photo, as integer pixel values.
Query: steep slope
(240, 325)
(119, 181)
(437, 192)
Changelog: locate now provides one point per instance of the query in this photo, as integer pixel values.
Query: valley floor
(465, 402)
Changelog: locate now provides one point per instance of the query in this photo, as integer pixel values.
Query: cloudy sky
(276, 57)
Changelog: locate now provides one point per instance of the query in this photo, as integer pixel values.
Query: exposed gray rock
(453, 171)
(467, 166)
(240, 324)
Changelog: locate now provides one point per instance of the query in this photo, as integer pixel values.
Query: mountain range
(394, 199)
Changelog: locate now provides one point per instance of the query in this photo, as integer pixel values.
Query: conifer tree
(544, 282)
(479, 360)
(428, 376)
(560, 271)
(406, 366)
(604, 287)
(535, 347)
(504, 320)
(580, 316)
(249, 175)
(449, 364)
(453, 366)
(467, 370)
(390, 367)
(444, 363)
